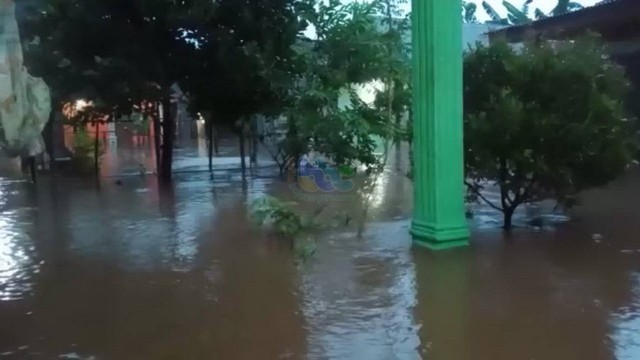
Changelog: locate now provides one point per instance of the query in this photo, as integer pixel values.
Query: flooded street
(129, 271)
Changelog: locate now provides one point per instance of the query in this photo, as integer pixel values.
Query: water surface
(133, 271)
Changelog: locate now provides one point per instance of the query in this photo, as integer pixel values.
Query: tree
(565, 6)
(546, 121)
(520, 16)
(515, 16)
(239, 46)
(115, 53)
(495, 17)
(562, 7)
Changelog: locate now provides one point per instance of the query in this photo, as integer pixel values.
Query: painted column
(438, 220)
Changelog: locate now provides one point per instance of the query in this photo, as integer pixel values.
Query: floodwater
(131, 271)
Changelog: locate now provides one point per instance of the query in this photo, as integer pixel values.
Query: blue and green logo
(322, 178)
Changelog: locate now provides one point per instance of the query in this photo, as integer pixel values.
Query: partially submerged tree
(545, 121)
(241, 43)
(116, 53)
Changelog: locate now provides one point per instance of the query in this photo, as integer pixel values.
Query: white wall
(473, 33)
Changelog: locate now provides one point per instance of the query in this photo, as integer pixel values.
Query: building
(617, 22)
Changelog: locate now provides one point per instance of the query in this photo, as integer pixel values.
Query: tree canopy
(109, 51)
(544, 121)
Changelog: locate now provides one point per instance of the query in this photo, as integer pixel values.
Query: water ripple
(17, 259)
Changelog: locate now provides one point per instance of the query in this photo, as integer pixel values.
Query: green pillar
(438, 220)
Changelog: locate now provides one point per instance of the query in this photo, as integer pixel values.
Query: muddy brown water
(133, 272)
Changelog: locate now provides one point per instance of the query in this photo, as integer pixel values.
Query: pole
(157, 118)
(96, 150)
(438, 219)
(168, 134)
(209, 126)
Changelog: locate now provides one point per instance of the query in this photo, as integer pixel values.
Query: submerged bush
(286, 222)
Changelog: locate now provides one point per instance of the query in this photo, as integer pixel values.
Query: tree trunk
(49, 142)
(96, 151)
(32, 167)
(209, 126)
(156, 138)
(250, 145)
(507, 207)
(399, 140)
(216, 139)
(168, 133)
(28, 166)
(254, 149)
(508, 216)
(242, 152)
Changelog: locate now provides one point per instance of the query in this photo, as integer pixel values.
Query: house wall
(474, 33)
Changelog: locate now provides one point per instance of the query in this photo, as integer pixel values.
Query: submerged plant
(286, 222)
(269, 211)
(84, 152)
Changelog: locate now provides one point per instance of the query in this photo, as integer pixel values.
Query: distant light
(81, 104)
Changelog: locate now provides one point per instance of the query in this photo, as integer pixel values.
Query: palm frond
(515, 15)
(493, 14)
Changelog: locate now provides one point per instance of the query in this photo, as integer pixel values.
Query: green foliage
(83, 153)
(240, 45)
(539, 14)
(544, 121)
(565, 6)
(356, 44)
(269, 211)
(469, 12)
(562, 7)
(517, 16)
(90, 114)
(120, 53)
(140, 122)
(286, 222)
(235, 59)
(112, 52)
(520, 16)
(494, 15)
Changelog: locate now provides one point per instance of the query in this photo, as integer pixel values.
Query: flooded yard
(130, 271)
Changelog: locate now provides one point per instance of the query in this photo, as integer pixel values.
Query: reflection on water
(132, 271)
(359, 297)
(16, 264)
(17, 251)
(626, 324)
